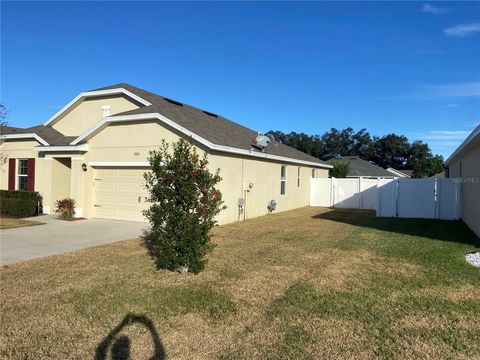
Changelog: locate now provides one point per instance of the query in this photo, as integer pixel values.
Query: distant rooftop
(362, 168)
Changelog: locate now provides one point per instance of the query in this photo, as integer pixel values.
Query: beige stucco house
(464, 163)
(95, 151)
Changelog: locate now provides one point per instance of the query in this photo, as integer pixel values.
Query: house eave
(475, 135)
(24, 136)
(67, 148)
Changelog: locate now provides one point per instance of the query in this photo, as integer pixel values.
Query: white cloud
(442, 142)
(448, 135)
(451, 105)
(464, 30)
(429, 8)
(440, 91)
(471, 89)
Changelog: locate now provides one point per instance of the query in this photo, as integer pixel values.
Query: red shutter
(31, 174)
(11, 174)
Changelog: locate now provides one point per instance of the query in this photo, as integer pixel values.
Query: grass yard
(10, 223)
(310, 283)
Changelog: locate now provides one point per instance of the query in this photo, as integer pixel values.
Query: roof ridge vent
(210, 113)
(173, 101)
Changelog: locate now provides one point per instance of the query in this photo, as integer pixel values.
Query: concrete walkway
(58, 236)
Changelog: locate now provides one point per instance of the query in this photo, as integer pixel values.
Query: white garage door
(120, 194)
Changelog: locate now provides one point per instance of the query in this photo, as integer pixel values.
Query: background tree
(363, 145)
(338, 142)
(277, 136)
(340, 169)
(185, 202)
(422, 162)
(3, 123)
(391, 151)
(387, 151)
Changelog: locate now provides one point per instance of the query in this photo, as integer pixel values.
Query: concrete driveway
(58, 236)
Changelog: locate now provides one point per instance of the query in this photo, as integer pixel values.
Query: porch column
(43, 185)
(77, 180)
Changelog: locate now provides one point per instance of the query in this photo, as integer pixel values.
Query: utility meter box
(241, 202)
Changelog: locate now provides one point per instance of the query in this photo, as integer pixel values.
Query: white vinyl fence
(408, 198)
(350, 193)
(420, 198)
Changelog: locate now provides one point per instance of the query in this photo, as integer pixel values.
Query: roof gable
(94, 93)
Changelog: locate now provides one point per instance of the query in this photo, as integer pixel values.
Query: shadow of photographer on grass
(119, 346)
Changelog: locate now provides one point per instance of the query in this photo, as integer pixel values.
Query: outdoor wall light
(84, 167)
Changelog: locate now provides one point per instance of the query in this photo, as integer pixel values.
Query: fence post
(332, 192)
(359, 193)
(397, 186)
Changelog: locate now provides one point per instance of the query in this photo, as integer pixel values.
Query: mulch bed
(73, 219)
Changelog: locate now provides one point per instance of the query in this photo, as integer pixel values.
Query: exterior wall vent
(105, 111)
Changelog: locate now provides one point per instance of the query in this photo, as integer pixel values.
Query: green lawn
(310, 283)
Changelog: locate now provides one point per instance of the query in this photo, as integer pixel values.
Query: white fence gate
(350, 193)
(406, 198)
(420, 198)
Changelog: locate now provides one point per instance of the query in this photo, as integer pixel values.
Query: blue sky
(412, 68)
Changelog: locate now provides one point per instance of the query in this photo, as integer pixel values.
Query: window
(313, 173)
(283, 179)
(298, 176)
(22, 174)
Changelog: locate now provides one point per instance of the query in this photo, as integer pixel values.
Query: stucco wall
(133, 141)
(470, 173)
(128, 141)
(89, 112)
(60, 179)
(264, 175)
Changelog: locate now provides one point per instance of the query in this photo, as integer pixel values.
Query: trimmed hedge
(19, 203)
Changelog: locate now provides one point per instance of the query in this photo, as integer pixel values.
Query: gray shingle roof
(47, 133)
(212, 127)
(407, 172)
(440, 175)
(359, 167)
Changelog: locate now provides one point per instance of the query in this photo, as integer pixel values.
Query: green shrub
(20, 194)
(184, 205)
(17, 203)
(65, 208)
(18, 208)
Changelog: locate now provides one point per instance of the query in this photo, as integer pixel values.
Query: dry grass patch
(438, 322)
(456, 294)
(10, 223)
(337, 338)
(309, 283)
